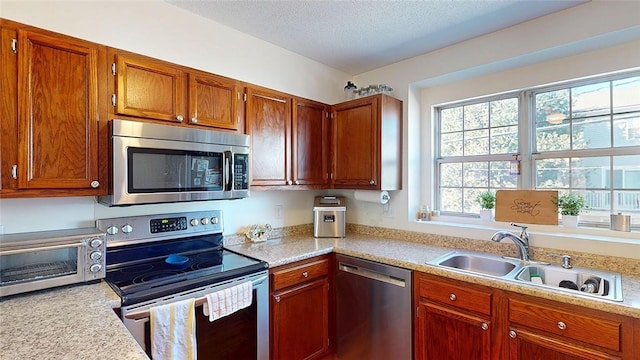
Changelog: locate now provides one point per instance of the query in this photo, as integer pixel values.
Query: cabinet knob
(180, 118)
(372, 182)
(305, 274)
(289, 182)
(452, 297)
(512, 334)
(95, 184)
(484, 326)
(562, 325)
(194, 120)
(277, 298)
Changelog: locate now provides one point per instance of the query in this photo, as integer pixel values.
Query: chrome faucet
(522, 241)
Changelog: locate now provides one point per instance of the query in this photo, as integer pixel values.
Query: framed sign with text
(527, 206)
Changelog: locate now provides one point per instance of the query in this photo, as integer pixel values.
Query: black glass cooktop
(142, 272)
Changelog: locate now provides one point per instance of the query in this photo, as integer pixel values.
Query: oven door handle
(199, 301)
(51, 247)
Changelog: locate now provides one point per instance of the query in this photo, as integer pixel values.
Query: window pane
(499, 176)
(451, 144)
(626, 129)
(451, 120)
(591, 133)
(627, 172)
(476, 174)
(552, 173)
(476, 116)
(476, 142)
(451, 174)
(451, 200)
(626, 95)
(627, 201)
(590, 173)
(470, 205)
(591, 100)
(553, 137)
(504, 112)
(504, 140)
(550, 104)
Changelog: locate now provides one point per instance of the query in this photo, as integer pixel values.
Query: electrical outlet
(387, 211)
(278, 212)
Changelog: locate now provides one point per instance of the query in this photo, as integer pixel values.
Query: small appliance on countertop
(45, 259)
(329, 216)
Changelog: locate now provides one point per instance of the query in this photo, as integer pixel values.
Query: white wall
(160, 30)
(593, 38)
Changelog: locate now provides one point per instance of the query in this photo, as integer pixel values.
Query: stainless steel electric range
(158, 259)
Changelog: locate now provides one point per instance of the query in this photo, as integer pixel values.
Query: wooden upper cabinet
(268, 121)
(310, 145)
(58, 111)
(148, 88)
(367, 144)
(152, 89)
(213, 101)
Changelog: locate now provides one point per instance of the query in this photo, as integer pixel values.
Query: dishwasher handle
(372, 274)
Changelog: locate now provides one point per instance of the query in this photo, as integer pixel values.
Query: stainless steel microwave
(154, 163)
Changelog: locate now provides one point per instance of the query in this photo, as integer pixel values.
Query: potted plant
(487, 201)
(571, 205)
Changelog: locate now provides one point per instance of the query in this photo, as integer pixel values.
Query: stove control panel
(146, 227)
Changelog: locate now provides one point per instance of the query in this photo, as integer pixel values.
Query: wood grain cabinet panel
(213, 101)
(51, 86)
(301, 310)
(310, 143)
(367, 144)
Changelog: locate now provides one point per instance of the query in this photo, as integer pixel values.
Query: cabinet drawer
(460, 296)
(586, 328)
(299, 274)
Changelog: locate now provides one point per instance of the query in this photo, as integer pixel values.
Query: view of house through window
(581, 137)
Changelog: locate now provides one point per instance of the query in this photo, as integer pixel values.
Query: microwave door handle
(228, 173)
(52, 247)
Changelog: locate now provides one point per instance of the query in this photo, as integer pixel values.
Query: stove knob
(94, 243)
(96, 255)
(112, 230)
(127, 228)
(194, 222)
(214, 220)
(95, 268)
(204, 221)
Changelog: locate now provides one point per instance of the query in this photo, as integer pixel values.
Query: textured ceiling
(360, 35)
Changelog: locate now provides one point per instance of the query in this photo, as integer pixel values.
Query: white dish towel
(224, 302)
(173, 331)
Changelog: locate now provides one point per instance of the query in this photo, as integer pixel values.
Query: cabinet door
(57, 112)
(445, 333)
(213, 101)
(310, 144)
(300, 321)
(268, 121)
(525, 345)
(148, 88)
(356, 149)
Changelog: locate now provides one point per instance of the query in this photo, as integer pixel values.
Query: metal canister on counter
(620, 222)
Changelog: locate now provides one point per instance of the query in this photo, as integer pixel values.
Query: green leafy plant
(487, 200)
(571, 204)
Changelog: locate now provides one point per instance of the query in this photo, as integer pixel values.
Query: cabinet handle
(194, 120)
(305, 274)
(484, 326)
(14, 171)
(453, 297)
(512, 334)
(180, 118)
(562, 325)
(95, 184)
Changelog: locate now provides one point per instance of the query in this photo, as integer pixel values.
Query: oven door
(241, 335)
(37, 268)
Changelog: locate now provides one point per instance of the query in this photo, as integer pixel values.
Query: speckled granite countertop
(414, 256)
(72, 323)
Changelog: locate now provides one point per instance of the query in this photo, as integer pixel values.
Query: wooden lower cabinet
(453, 320)
(300, 310)
(459, 320)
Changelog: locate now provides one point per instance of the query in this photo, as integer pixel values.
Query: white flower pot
(570, 221)
(486, 214)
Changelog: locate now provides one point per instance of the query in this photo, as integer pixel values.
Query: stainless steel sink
(479, 263)
(599, 284)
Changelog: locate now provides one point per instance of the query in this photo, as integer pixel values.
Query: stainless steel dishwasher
(373, 310)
